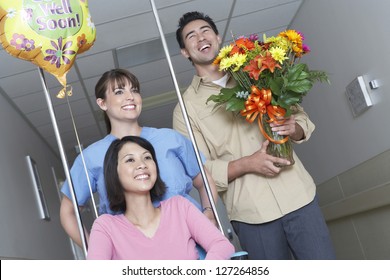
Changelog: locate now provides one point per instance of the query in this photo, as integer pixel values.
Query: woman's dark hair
(119, 76)
(189, 17)
(115, 192)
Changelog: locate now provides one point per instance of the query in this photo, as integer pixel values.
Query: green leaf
(288, 112)
(295, 71)
(224, 95)
(303, 75)
(293, 100)
(214, 98)
(300, 86)
(235, 105)
(229, 92)
(320, 76)
(276, 85)
(290, 98)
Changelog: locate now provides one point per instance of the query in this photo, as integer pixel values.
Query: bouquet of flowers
(270, 82)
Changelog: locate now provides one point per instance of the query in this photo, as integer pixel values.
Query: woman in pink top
(169, 231)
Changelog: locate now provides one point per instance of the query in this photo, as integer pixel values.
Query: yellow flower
(278, 53)
(238, 60)
(225, 63)
(282, 43)
(223, 53)
(269, 39)
(234, 62)
(297, 48)
(292, 36)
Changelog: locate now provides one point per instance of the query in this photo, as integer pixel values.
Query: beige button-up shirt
(224, 136)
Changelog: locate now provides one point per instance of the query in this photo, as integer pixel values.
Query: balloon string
(82, 157)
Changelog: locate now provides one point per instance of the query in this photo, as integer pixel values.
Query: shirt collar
(197, 81)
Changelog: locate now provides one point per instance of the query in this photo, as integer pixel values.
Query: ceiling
(128, 37)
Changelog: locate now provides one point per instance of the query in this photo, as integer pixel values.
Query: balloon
(49, 33)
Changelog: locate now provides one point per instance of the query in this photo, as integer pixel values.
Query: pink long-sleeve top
(181, 226)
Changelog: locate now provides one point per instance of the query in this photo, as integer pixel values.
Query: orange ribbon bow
(259, 103)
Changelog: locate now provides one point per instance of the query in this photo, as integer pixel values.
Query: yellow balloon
(49, 33)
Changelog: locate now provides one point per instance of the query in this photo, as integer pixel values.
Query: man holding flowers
(271, 201)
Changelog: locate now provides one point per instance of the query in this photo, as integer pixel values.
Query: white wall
(22, 233)
(348, 39)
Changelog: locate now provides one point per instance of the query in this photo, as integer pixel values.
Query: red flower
(269, 63)
(242, 45)
(253, 68)
(259, 64)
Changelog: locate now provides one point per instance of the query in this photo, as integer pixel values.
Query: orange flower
(261, 63)
(253, 68)
(81, 40)
(242, 45)
(269, 63)
(292, 35)
(217, 60)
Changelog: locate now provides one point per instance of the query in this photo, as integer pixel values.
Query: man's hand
(264, 164)
(259, 162)
(289, 127)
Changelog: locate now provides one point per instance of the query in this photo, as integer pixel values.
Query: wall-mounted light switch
(358, 96)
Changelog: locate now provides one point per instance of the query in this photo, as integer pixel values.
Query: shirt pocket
(217, 129)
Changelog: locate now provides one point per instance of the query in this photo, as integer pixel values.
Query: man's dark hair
(115, 192)
(189, 17)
